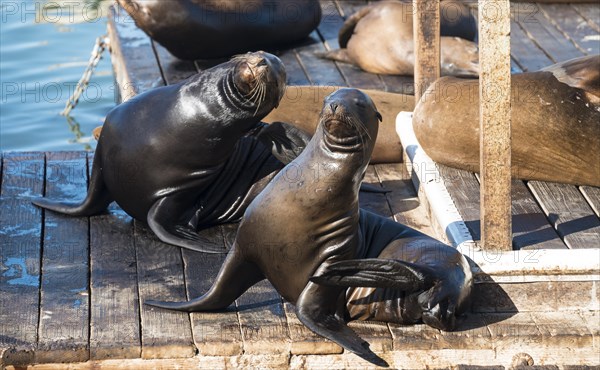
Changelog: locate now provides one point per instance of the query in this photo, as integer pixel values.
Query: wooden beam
(426, 29)
(495, 139)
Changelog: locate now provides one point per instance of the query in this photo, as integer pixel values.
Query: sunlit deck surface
(71, 289)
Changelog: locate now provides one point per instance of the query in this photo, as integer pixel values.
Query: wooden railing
(494, 97)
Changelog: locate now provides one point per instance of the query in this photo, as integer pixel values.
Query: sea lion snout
(260, 77)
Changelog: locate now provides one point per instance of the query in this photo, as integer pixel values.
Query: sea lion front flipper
(316, 308)
(96, 200)
(234, 278)
(167, 229)
(285, 140)
(376, 273)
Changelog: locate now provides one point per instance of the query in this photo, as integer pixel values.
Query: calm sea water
(43, 53)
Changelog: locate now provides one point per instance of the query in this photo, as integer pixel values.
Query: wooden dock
(71, 289)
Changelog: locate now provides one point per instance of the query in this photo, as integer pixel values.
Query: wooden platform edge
(432, 190)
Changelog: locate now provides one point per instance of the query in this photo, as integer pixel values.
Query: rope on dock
(101, 44)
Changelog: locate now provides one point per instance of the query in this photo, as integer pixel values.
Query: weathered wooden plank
(531, 229)
(589, 12)
(377, 334)
(114, 305)
(471, 332)
(509, 329)
(419, 336)
(64, 297)
(133, 59)
(304, 341)
(320, 72)
(398, 84)
(464, 190)
(173, 70)
(592, 195)
(403, 198)
(549, 39)
(374, 202)
(215, 333)
(295, 74)
(20, 240)
(556, 327)
(426, 30)
(495, 121)
(524, 51)
(572, 26)
(329, 29)
(164, 333)
(569, 213)
(115, 311)
(263, 321)
(534, 296)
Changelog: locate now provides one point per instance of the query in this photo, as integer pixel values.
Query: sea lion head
(350, 122)
(459, 57)
(260, 78)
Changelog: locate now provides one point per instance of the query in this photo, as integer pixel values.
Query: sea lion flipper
(376, 273)
(347, 29)
(234, 278)
(96, 200)
(337, 55)
(316, 309)
(168, 231)
(285, 140)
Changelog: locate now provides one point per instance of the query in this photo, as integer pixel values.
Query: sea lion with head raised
(206, 29)
(306, 234)
(177, 156)
(379, 39)
(555, 123)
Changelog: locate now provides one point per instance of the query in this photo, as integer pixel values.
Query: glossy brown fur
(379, 39)
(308, 218)
(198, 29)
(555, 126)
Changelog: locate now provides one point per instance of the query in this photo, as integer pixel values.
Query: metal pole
(495, 121)
(426, 30)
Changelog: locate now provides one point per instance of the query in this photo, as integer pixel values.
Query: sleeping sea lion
(555, 121)
(206, 29)
(379, 39)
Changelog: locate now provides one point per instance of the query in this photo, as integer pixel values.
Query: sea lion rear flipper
(234, 278)
(337, 55)
(285, 140)
(316, 308)
(376, 273)
(96, 200)
(165, 227)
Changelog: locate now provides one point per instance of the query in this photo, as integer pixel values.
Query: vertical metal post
(495, 122)
(426, 29)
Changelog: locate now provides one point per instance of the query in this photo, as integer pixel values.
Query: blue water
(42, 56)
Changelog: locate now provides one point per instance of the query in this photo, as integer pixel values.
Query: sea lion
(379, 39)
(177, 157)
(307, 220)
(207, 29)
(555, 115)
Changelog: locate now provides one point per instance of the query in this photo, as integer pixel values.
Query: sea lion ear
(379, 116)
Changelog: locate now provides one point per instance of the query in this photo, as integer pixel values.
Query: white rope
(101, 44)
